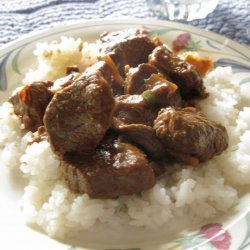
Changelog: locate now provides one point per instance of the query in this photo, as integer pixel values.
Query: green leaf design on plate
(193, 45)
(246, 242)
(3, 75)
(14, 62)
(195, 240)
(238, 67)
(245, 80)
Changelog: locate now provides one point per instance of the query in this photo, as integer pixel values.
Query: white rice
(200, 193)
(53, 58)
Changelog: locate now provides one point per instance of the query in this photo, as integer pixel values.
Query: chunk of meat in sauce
(63, 82)
(101, 68)
(130, 47)
(143, 109)
(30, 103)
(179, 72)
(134, 116)
(188, 132)
(158, 167)
(133, 109)
(135, 79)
(78, 116)
(112, 170)
(111, 75)
(143, 136)
(162, 93)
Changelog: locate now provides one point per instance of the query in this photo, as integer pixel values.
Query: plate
(231, 231)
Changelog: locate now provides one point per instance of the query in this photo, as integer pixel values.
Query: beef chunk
(135, 79)
(110, 73)
(161, 93)
(144, 136)
(158, 167)
(188, 132)
(133, 109)
(63, 82)
(143, 109)
(134, 116)
(30, 103)
(78, 116)
(179, 72)
(112, 170)
(128, 47)
(101, 69)
(116, 81)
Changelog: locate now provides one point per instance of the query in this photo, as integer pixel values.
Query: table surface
(17, 17)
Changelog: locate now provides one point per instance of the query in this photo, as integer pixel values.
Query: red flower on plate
(219, 238)
(181, 42)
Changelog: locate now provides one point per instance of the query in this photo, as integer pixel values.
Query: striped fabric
(231, 18)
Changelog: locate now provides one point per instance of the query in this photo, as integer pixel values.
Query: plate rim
(33, 35)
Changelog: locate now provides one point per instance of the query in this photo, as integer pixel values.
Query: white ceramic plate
(231, 231)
